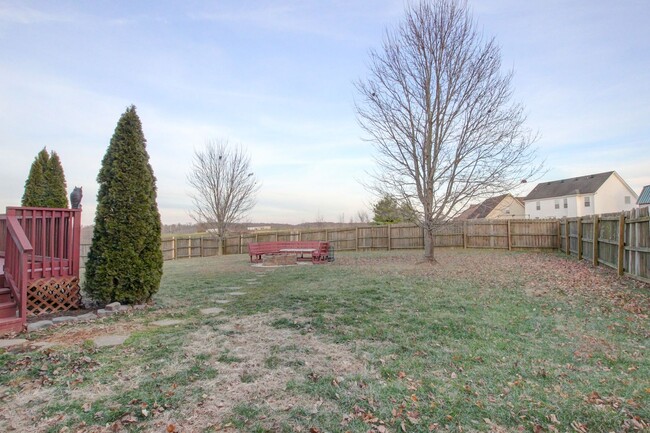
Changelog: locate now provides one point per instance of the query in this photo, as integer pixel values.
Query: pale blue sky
(278, 77)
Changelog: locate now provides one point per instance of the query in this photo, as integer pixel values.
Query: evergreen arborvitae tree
(45, 185)
(35, 185)
(55, 185)
(125, 260)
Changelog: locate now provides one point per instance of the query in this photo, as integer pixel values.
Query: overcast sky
(277, 76)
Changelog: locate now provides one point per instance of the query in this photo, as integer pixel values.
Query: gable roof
(575, 185)
(482, 210)
(644, 197)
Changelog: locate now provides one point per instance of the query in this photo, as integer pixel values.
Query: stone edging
(108, 310)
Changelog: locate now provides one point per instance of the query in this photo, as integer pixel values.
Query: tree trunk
(429, 245)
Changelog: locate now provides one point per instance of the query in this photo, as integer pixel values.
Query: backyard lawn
(374, 342)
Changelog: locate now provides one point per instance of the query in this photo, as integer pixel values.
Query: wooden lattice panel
(50, 295)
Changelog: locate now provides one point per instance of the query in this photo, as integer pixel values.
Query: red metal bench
(319, 253)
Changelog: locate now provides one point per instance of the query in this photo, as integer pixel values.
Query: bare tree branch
(438, 110)
(224, 186)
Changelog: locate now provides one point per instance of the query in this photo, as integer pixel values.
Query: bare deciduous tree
(363, 217)
(224, 186)
(438, 110)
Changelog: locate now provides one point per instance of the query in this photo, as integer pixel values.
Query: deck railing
(17, 252)
(54, 235)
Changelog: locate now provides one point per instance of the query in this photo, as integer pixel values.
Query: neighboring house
(500, 207)
(644, 197)
(579, 196)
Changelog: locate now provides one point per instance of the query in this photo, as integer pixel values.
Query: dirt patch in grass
(67, 335)
(255, 363)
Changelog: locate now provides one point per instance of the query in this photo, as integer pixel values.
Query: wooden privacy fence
(620, 241)
(505, 234)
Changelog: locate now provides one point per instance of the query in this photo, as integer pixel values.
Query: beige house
(500, 207)
(598, 193)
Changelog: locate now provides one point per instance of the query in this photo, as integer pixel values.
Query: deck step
(8, 309)
(10, 325)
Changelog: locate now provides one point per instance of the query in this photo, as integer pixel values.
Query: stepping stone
(87, 316)
(252, 280)
(64, 319)
(213, 310)
(110, 340)
(166, 322)
(236, 293)
(222, 301)
(12, 342)
(39, 325)
(232, 288)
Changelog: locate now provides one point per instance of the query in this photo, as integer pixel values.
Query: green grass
(442, 350)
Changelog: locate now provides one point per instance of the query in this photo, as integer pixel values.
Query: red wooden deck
(38, 247)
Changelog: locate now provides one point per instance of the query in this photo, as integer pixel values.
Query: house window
(627, 199)
(538, 205)
(587, 201)
(557, 204)
(566, 203)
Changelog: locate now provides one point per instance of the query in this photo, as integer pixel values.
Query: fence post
(356, 239)
(389, 225)
(189, 247)
(621, 244)
(594, 253)
(579, 222)
(241, 243)
(509, 238)
(567, 239)
(173, 247)
(201, 247)
(464, 234)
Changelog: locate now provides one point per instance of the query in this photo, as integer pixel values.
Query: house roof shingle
(575, 185)
(483, 209)
(644, 197)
